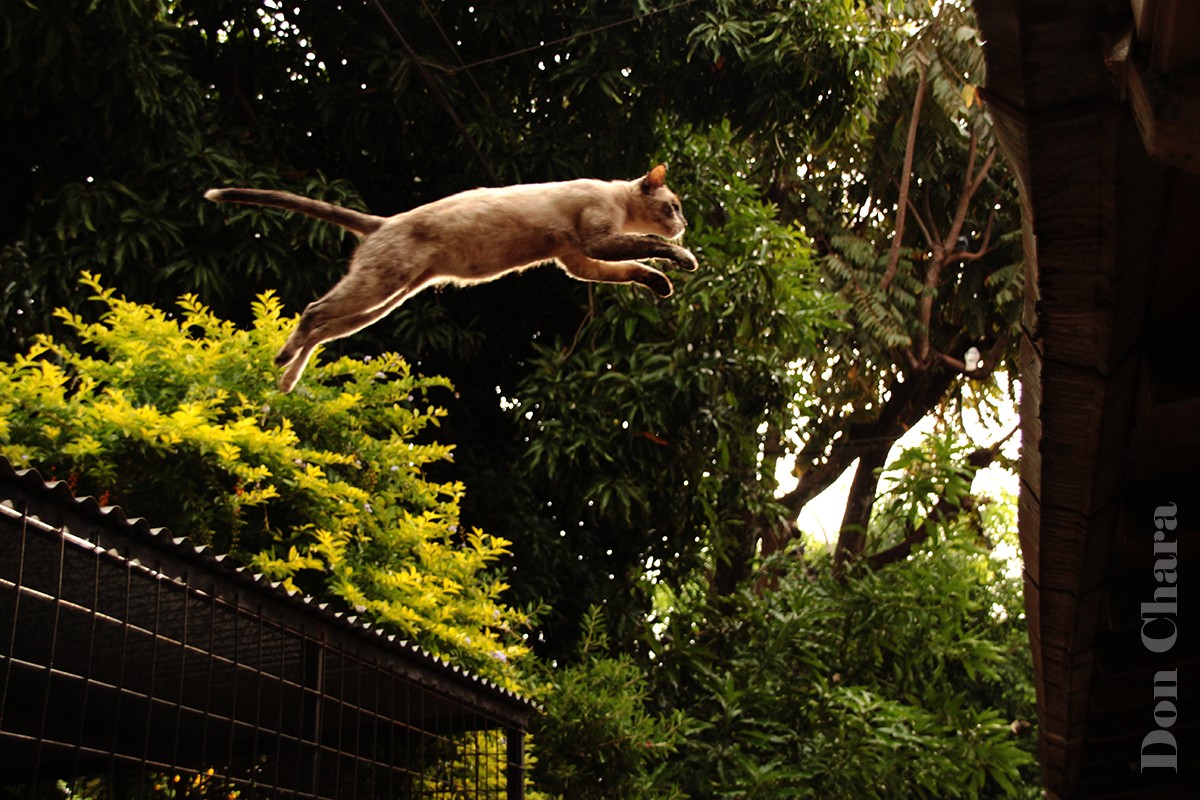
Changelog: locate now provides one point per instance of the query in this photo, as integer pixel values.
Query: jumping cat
(592, 229)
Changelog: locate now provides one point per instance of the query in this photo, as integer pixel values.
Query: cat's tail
(356, 221)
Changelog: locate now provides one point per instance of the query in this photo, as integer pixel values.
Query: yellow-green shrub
(174, 416)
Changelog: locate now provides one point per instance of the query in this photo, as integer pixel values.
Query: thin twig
(437, 92)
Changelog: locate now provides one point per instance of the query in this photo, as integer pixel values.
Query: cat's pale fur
(592, 229)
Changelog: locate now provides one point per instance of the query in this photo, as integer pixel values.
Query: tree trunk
(852, 538)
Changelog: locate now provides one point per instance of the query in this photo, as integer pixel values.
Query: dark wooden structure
(131, 656)
(1098, 107)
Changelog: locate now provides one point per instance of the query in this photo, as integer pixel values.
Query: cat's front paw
(685, 260)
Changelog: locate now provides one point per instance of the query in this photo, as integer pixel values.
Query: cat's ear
(655, 178)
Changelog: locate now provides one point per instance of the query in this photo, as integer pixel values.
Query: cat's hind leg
(295, 367)
(339, 313)
(305, 339)
(590, 269)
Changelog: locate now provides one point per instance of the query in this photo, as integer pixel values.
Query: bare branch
(972, 152)
(983, 172)
(925, 305)
(953, 363)
(913, 362)
(990, 361)
(977, 374)
(588, 317)
(985, 247)
(910, 146)
(907, 403)
(818, 479)
(970, 188)
(852, 535)
(946, 253)
(937, 234)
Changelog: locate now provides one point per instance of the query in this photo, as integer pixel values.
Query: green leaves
(823, 57)
(626, 445)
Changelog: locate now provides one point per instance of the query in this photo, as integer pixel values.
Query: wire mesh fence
(133, 665)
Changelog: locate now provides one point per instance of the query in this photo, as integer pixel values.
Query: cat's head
(654, 208)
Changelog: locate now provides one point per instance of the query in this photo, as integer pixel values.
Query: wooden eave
(1097, 106)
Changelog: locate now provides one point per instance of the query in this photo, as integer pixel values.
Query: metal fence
(135, 665)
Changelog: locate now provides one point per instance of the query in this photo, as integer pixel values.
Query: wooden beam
(1167, 112)
(1143, 18)
(1176, 40)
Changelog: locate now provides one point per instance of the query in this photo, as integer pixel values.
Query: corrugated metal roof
(58, 493)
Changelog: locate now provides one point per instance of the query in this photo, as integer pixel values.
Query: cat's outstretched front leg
(619, 246)
(590, 269)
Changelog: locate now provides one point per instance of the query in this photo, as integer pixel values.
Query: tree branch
(989, 361)
(937, 234)
(944, 510)
(946, 252)
(915, 534)
(914, 363)
(852, 536)
(910, 146)
(925, 305)
(985, 246)
(820, 477)
(954, 363)
(972, 152)
(970, 187)
(925, 230)
(907, 403)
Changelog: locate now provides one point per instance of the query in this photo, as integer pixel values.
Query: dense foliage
(906, 683)
(599, 734)
(898, 684)
(633, 429)
(916, 223)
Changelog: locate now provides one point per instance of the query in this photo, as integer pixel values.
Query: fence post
(515, 772)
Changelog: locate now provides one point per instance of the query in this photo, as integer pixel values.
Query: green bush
(598, 738)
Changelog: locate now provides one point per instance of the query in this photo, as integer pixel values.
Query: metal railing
(132, 664)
